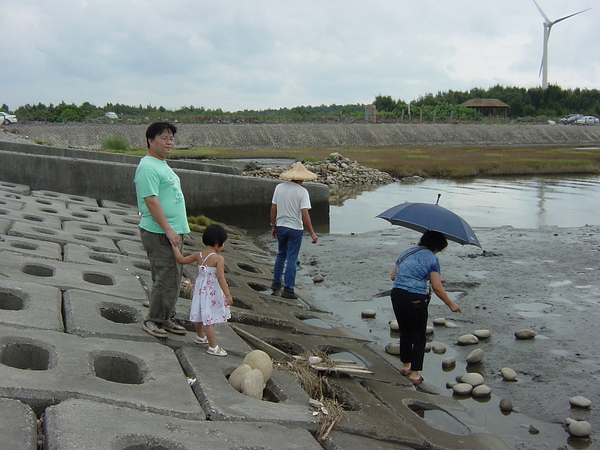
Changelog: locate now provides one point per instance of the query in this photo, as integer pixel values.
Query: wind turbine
(547, 28)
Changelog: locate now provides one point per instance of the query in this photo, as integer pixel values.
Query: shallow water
(531, 202)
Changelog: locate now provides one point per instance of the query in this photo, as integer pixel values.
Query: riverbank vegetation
(432, 162)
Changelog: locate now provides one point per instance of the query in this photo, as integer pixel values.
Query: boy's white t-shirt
(290, 199)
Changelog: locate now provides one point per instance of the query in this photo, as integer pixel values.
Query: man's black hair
(158, 128)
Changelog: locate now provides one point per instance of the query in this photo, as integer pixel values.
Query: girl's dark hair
(159, 128)
(213, 235)
(434, 241)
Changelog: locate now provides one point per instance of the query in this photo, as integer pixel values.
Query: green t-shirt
(155, 177)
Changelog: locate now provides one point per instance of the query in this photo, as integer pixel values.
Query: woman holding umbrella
(410, 298)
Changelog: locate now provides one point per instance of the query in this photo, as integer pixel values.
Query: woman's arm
(222, 281)
(394, 272)
(436, 284)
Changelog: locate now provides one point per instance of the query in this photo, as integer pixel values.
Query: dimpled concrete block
(30, 247)
(79, 424)
(30, 305)
(18, 425)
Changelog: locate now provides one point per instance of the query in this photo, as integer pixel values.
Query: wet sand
(540, 279)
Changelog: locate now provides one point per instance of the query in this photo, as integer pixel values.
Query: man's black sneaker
(276, 287)
(288, 294)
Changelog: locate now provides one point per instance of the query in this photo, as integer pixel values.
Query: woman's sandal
(404, 372)
(216, 351)
(416, 380)
(200, 340)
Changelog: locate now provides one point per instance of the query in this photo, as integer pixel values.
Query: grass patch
(434, 162)
(114, 143)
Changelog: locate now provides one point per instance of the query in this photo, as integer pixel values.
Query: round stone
(462, 389)
(450, 384)
(482, 334)
(368, 314)
(580, 402)
(238, 375)
(506, 405)
(508, 374)
(525, 334)
(474, 379)
(467, 339)
(440, 321)
(257, 359)
(429, 330)
(580, 428)
(394, 326)
(448, 362)
(393, 349)
(475, 356)
(481, 391)
(253, 384)
(318, 278)
(449, 324)
(439, 348)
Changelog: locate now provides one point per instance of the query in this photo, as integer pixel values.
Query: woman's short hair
(214, 234)
(434, 241)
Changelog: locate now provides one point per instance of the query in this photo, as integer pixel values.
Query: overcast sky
(259, 54)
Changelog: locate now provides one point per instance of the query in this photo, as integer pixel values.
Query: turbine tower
(547, 28)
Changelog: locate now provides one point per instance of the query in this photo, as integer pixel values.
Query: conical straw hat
(298, 172)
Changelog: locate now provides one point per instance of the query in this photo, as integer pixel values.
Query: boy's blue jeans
(289, 241)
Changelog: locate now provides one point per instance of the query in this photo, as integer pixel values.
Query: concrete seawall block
(288, 406)
(30, 305)
(18, 425)
(46, 367)
(30, 247)
(108, 280)
(74, 423)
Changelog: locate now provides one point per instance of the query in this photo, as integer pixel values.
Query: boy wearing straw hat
(289, 216)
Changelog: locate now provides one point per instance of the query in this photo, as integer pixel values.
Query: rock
(318, 278)
(481, 391)
(506, 405)
(368, 314)
(439, 321)
(394, 326)
(429, 330)
(508, 374)
(439, 348)
(474, 379)
(253, 384)
(314, 360)
(467, 339)
(525, 334)
(533, 430)
(451, 384)
(580, 402)
(448, 362)
(579, 428)
(238, 375)
(462, 389)
(257, 359)
(482, 334)
(393, 349)
(475, 356)
(449, 324)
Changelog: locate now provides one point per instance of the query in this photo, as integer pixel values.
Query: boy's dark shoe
(276, 287)
(173, 327)
(151, 328)
(288, 294)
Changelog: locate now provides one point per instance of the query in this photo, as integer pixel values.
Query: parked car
(111, 115)
(587, 120)
(7, 119)
(570, 119)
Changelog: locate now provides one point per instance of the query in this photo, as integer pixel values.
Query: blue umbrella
(427, 216)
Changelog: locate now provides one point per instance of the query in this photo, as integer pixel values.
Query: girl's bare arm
(222, 281)
(184, 259)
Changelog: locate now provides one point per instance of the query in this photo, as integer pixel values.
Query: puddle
(317, 323)
(440, 420)
(480, 274)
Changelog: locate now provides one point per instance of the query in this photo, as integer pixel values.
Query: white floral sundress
(208, 300)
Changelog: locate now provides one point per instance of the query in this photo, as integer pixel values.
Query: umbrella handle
(438, 199)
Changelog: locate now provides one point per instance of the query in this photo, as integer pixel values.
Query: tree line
(551, 103)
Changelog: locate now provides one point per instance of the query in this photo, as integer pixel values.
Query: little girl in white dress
(211, 298)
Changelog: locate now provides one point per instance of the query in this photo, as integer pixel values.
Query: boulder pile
(336, 170)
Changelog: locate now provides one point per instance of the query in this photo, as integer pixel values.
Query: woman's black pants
(410, 310)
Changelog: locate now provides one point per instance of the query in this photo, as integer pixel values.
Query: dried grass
(327, 408)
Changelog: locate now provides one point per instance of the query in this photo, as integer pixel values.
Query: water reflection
(520, 202)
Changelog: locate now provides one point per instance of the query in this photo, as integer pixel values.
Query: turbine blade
(570, 15)
(542, 12)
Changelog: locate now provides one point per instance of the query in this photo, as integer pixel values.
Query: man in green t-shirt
(164, 222)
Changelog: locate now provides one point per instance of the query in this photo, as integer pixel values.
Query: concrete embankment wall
(249, 136)
(215, 191)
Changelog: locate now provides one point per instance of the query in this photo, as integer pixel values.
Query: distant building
(370, 114)
(488, 106)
